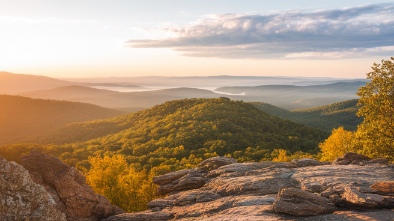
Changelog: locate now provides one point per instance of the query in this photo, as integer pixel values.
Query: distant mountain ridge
(17, 83)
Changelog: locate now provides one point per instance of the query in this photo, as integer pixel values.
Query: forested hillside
(22, 119)
(188, 130)
(324, 117)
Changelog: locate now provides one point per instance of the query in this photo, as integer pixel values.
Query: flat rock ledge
(353, 187)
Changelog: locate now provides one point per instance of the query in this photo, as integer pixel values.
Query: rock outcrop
(22, 199)
(358, 189)
(68, 189)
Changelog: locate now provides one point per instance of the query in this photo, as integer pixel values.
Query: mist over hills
(114, 99)
(296, 97)
(285, 92)
(23, 119)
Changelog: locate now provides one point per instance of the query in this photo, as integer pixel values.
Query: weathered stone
(141, 216)
(170, 177)
(242, 169)
(304, 162)
(193, 179)
(331, 180)
(357, 159)
(245, 191)
(312, 187)
(302, 203)
(355, 197)
(268, 183)
(384, 187)
(22, 199)
(159, 204)
(68, 188)
(216, 162)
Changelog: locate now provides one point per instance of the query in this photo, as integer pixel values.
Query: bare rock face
(22, 199)
(358, 159)
(216, 162)
(308, 191)
(174, 182)
(305, 162)
(384, 187)
(302, 203)
(68, 188)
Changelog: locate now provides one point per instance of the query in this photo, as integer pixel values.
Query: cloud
(352, 32)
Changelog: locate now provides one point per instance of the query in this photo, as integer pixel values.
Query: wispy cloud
(351, 32)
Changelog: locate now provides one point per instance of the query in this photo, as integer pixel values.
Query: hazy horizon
(75, 39)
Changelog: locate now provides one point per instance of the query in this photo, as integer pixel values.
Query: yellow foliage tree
(122, 184)
(338, 143)
(281, 155)
(375, 135)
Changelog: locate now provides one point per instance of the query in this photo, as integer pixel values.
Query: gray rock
(68, 188)
(355, 197)
(269, 182)
(170, 177)
(358, 159)
(22, 199)
(216, 162)
(247, 191)
(304, 162)
(302, 203)
(141, 216)
(193, 179)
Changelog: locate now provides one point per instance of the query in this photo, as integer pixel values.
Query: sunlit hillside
(23, 119)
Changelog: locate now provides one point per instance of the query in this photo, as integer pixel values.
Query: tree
(122, 184)
(375, 135)
(337, 144)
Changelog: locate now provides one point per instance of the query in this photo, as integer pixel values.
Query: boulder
(216, 162)
(22, 199)
(141, 216)
(383, 187)
(305, 162)
(267, 181)
(170, 177)
(302, 203)
(68, 188)
(358, 159)
(192, 179)
(355, 197)
(249, 191)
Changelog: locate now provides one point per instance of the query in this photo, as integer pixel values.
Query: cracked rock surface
(22, 199)
(68, 188)
(354, 187)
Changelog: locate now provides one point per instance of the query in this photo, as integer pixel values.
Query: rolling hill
(13, 84)
(324, 118)
(22, 118)
(114, 99)
(197, 128)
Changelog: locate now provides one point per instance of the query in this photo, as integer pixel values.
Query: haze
(125, 38)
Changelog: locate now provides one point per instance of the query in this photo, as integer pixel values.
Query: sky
(128, 38)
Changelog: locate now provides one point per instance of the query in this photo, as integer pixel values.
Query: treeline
(324, 118)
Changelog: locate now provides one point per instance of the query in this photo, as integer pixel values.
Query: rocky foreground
(46, 189)
(351, 188)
